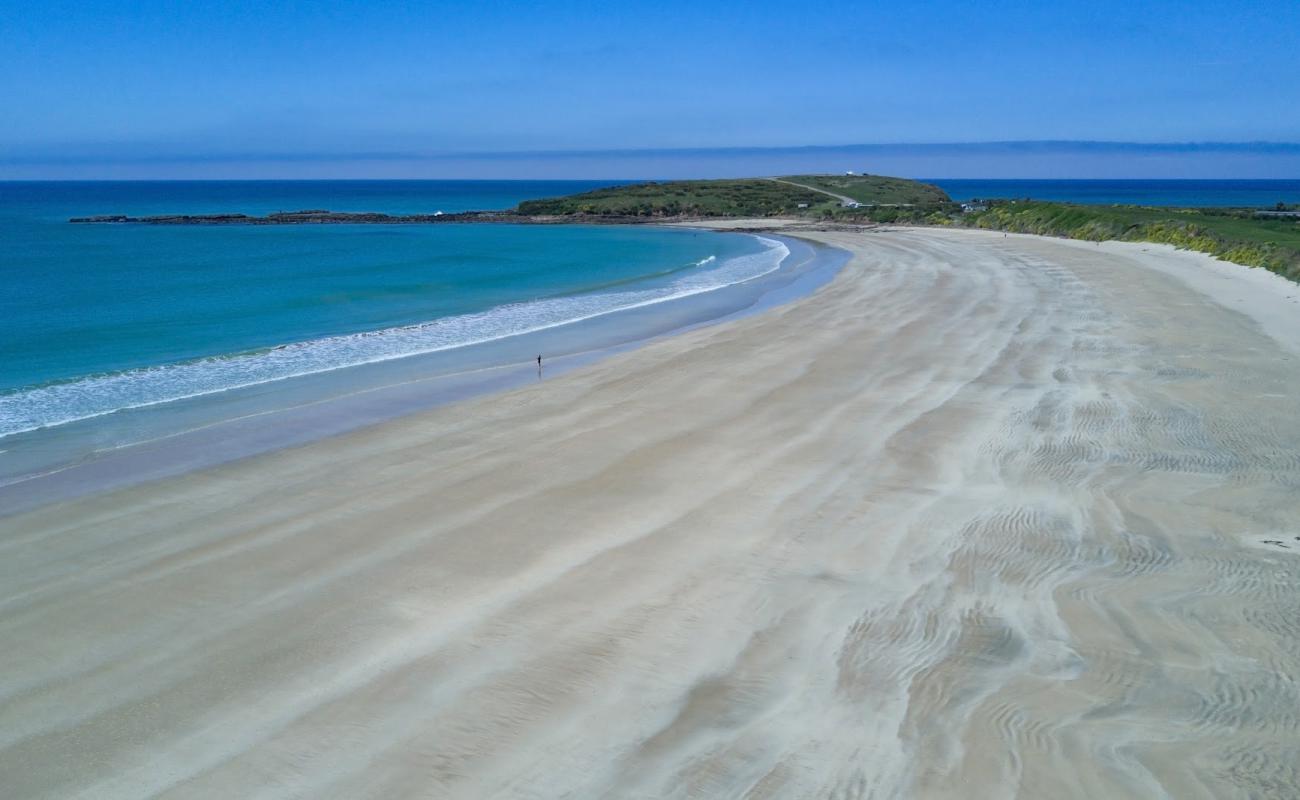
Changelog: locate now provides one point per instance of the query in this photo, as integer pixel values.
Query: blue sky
(492, 89)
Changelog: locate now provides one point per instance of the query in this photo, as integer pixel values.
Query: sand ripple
(987, 517)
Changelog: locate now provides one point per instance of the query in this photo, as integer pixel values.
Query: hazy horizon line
(101, 153)
(1025, 159)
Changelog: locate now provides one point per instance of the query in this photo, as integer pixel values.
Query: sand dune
(986, 517)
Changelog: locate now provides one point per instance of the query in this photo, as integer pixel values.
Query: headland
(1256, 237)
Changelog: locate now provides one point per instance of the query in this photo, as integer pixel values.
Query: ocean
(1174, 193)
(129, 352)
(98, 318)
(116, 335)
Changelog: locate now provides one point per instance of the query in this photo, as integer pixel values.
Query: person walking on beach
(539, 366)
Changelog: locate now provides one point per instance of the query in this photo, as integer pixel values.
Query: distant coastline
(306, 217)
(796, 195)
(323, 217)
(1255, 235)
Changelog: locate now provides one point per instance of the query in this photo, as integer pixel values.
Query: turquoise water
(96, 319)
(99, 318)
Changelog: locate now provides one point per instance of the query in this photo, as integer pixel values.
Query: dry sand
(986, 517)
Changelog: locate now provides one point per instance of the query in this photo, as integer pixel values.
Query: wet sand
(984, 517)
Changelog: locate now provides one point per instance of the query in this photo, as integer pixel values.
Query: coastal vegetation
(1267, 238)
(749, 197)
(754, 197)
(875, 189)
(1236, 235)
(1251, 237)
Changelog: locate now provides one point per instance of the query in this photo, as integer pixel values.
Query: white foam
(60, 403)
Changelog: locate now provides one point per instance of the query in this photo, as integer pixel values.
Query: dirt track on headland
(985, 517)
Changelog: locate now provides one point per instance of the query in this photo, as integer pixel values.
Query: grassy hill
(1236, 235)
(1231, 234)
(748, 197)
(875, 189)
(718, 198)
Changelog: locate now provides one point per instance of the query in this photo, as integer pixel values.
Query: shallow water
(97, 318)
(987, 517)
(407, 370)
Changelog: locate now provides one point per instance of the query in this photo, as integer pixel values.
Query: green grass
(876, 189)
(756, 197)
(748, 197)
(1233, 235)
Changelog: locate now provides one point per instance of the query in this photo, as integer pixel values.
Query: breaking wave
(62, 402)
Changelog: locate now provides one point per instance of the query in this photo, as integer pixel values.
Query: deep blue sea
(1178, 193)
(95, 318)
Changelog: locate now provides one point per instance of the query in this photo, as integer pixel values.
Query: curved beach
(985, 516)
(71, 438)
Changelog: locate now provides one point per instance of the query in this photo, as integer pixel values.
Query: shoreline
(1268, 299)
(984, 516)
(1270, 303)
(74, 459)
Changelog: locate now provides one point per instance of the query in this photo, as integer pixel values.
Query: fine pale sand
(985, 517)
